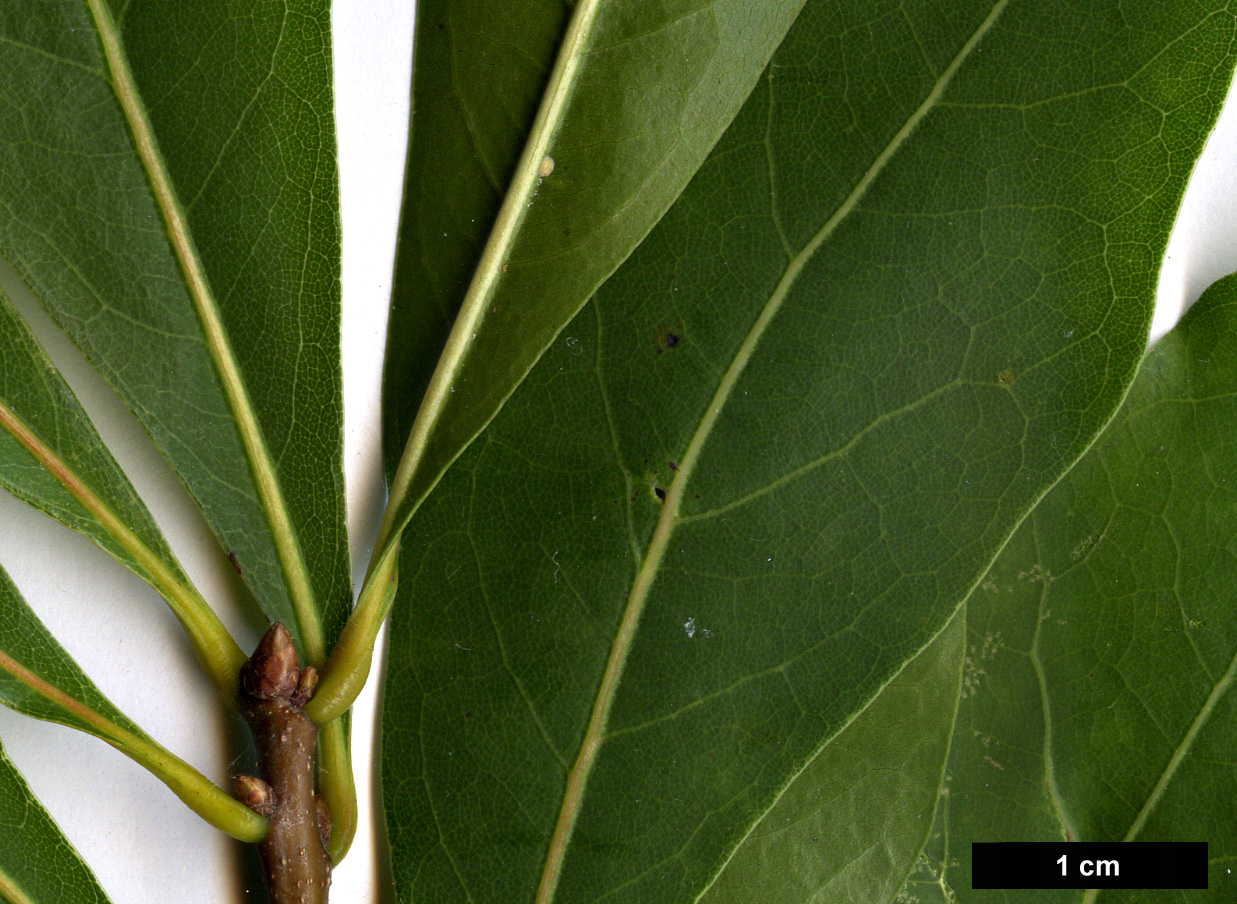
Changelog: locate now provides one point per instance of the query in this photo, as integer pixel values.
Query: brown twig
(273, 690)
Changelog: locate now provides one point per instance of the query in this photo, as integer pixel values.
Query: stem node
(273, 689)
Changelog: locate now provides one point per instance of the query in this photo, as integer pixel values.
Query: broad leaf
(583, 121)
(37, 863)
(1101, 700)
(849, 827)
(168, 192)
(39, 679)
(770, 459)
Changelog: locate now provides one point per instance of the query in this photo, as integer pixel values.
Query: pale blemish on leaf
(691, 629)
(1085, 546)
(1036, 575)
(972, 666)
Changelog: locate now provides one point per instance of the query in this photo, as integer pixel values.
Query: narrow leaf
(1101, 685)
(38, 865)
(52, 458)
(769, 460)
(200, 275)
(40, 679)
(535, 168)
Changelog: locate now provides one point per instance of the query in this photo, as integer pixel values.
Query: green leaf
(1101, 702)
(36, 400)
(839, 831)
(544, 146)
(39, 679)
(768, 461)
(52, 458)
(38, 865)
(169, 193)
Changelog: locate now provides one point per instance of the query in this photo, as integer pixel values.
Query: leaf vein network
(594, 736)
(429, 797)
(224, 143)
(841, 451)
(633, 544)
(507, 667)
(29, 48)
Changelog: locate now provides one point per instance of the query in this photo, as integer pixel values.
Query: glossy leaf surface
(773, 455)
(1101, 701)
(38, 865)
(168, 180)
(588, 118)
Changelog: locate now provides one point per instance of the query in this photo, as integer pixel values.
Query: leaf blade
(620, 178)
(42, 403)
(895, 421)
(839, 831)
(38, 678)
(672, 500)
(39, 863)
(53, 459)
(1114, 667)
(121, 291)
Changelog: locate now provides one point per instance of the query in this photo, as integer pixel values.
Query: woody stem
(273, 690)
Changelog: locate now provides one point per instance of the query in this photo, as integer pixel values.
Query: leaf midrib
(274, 506)
(227, 815)
(590, 746)
(476, 302)
(217, 650)
(1221, 687)
(11, 891)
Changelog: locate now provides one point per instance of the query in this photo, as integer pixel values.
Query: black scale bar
(1083, 864)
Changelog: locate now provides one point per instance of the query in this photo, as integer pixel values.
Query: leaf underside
(581, 173)
(1099, 700)
(169, 194)
(27, 643)
(729, 513)
(851, 825)
(762, 468)
(39, 678)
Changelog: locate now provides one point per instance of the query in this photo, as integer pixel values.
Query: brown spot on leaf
(668, 337)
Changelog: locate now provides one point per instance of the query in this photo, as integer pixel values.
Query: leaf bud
(272, 669)
(306, 686)
(256, 794)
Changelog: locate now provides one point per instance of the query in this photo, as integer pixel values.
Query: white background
(142, 843)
